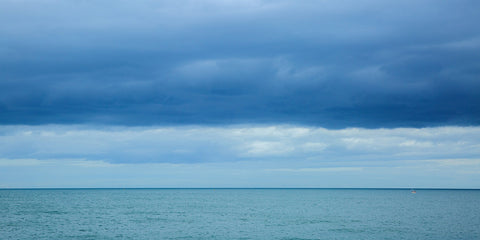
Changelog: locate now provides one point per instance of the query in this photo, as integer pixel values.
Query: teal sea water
(239, 214)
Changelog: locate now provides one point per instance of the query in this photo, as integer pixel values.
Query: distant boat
(413, 191)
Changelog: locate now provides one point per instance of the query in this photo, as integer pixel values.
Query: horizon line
(233, 188)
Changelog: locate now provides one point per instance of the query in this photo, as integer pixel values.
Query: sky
(252, 93)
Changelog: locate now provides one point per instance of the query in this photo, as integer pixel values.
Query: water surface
(239, 214)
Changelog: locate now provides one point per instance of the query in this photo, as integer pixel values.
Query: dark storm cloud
(354, 63)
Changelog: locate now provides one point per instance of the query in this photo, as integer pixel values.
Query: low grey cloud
(330, 64)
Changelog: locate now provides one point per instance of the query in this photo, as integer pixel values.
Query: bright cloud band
(259, 156)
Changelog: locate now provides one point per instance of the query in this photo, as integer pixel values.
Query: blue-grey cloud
(331, 64)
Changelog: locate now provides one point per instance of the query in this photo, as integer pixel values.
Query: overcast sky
(239, 93)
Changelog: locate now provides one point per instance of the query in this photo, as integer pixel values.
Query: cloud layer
(238, 156)
(237, 143)
(330, 64)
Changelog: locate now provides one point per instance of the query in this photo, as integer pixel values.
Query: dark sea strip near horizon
(239, 213)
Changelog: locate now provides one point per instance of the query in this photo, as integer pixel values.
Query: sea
(239, 214)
